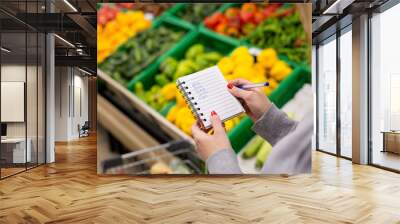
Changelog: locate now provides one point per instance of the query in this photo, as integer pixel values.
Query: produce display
(285, 34)
(194, 13)
(138, 52)
(259, 148)
(114, 27)
(240, 22)
(127, 47)
(266, 66)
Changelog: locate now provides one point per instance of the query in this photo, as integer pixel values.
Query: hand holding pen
(253, 99)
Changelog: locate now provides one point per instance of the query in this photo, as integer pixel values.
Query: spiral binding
(192, 105)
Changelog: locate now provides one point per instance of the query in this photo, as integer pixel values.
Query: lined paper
(207, 91)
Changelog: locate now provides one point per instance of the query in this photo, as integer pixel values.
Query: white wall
(70, 83)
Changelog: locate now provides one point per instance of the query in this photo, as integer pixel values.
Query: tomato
(249, 7)
(246, 17)
(232, 13)
(213, 20)
(258, 17)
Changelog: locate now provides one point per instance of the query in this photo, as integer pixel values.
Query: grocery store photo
(221, 88)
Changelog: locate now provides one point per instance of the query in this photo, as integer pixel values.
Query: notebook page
(208, 92)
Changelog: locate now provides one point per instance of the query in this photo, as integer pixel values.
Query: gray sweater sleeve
(272, 126)
(223, 161)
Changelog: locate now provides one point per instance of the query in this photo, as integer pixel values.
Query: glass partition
(327, 96)
(22, 77)
(385, 89)
(346, 93)
(15, 149)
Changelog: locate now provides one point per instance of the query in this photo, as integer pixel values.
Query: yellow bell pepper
(180, 101)
(273, 83)
(117, 31)
(267, 57)
(259, 70)
(171, 116)
(280, 70)
(169, 91)
(226, 65)
(238, 52)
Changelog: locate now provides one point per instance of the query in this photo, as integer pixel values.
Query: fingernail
(230, 85)
(213, 113)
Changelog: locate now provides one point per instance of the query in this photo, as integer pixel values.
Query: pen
(254, 85)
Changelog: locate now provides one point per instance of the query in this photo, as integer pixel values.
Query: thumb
(197, 133)
(216, 123)
(237, 92)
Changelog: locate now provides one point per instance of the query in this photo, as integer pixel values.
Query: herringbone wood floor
(69, 191)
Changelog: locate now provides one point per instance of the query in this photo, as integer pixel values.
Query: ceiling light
(5, 50)
(65, 41)
(337, 7)
(70, 5)
(84, 71)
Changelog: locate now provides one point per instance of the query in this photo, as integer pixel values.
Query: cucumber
(252, 147)
(263, 154)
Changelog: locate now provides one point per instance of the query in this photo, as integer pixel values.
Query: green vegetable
(161, 79)
(212, 57)
(263, 154)
(169, 66)
(194, 50)
(286, 34)
(201, 62)
(195, 59)
(185, 67)
(252, 147)
(138, 52)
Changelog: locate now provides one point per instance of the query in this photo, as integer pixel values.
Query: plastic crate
(165, 20)
(285, 91)
(171, 23)
(209, 40)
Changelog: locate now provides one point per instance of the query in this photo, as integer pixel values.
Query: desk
(18, 150)
(391, 141)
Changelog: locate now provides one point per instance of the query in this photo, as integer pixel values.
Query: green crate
(285, 91)
(164, 111)
(209, 40)
(164, 20)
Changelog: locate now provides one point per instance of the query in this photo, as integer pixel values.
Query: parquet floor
(69, 191)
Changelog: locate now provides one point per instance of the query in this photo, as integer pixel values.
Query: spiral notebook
(206, 91)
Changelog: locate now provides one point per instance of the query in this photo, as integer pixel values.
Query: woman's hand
(253, 100)
(209, 144)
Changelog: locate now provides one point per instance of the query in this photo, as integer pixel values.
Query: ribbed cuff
(223, 161)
